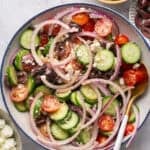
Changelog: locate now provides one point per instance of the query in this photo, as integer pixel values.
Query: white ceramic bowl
(22, 119)
(5, 116)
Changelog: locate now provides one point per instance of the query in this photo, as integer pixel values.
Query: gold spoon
(136, 92)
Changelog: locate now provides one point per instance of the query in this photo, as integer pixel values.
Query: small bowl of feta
(9, 136)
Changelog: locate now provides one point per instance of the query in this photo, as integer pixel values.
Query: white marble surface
(13, 13)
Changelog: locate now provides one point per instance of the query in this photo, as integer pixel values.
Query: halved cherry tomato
(50, 104)
(89, 26)
(81, 18)
(76, 65)
(55, 30)
(19, 93)
(121, 39)
(43, 130)
(129, 129)
(106, 123)
(103, 27)
(43, 39)
(101, 139)
(135, 76)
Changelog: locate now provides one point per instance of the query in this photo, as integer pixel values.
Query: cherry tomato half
(19, 93)
(129, 129)
(103, 27)
(101, 139)
(106, 123)
(135, 76)
(50, 104)
(121, 39)
(89, 26)
(81, 18)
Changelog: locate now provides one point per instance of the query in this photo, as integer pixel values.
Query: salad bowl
(22, 120)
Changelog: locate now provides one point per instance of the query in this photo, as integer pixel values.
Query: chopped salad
(73, 74)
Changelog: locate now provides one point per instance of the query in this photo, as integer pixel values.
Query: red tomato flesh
(103, 27)
(135, 76)
(106, 123)
(80, 19)
(129, 129)
(101, 139)
(50, 104)
(89, 26)
(121, 39)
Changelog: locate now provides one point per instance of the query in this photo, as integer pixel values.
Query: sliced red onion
(87, 33)
(117, 67)
(104, 89)
(53, 86)
(70, 139)
(103, 81)
(85, 76)
(96, 16)
(86, 146)
(114, 132)
(35, 32)
(136, 125)
(32, 122)
(99, 106)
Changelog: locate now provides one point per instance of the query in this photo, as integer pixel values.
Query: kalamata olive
(22, 77)
(138, 20)
(38, 70)
(142, 3)
(144, 14)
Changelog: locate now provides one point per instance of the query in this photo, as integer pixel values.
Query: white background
(14, 13)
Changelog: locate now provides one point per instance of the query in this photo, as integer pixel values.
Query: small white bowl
(5, 116)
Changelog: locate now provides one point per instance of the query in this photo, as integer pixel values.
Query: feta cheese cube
(7, 131)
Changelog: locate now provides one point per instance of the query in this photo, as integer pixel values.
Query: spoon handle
(121, 133)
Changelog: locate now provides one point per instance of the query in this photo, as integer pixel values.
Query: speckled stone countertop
(13, 13)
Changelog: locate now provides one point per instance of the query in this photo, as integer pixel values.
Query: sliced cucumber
(111, 109)
(30, 84)
(112, 88)
(89, 94)
(64, 95)
(131, 53)
(105, 133)
(47, 47)
(70, 123)
(37, 108)
(58, 133)
(61, 113)
(73, 98)
(18, 59)
(79, 97)
(84, 137)
(21, 106)
(75, 129)
(12, 75)
(42, 88)
(104, 60)
(25, 39)
(82, 54)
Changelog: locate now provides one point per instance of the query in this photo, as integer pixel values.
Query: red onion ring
(89, 34)
(117, 67)
(103, 89)
(35, 32)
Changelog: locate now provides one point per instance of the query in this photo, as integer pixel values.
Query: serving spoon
(136, 92)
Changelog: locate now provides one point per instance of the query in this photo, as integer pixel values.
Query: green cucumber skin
(58, 133)
(63, 96)
(18, 59)
(73, 98)
(89, 94)
(21, 106)
(131, 53)
(82, 54)
(104, 60)
(42, 88)
(25, 39)
(12, 75)
(111, 109)
(30, 84)
(61, 113)
(37, 108)
(68, 124)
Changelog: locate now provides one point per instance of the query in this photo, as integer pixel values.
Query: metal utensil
(136, 92)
